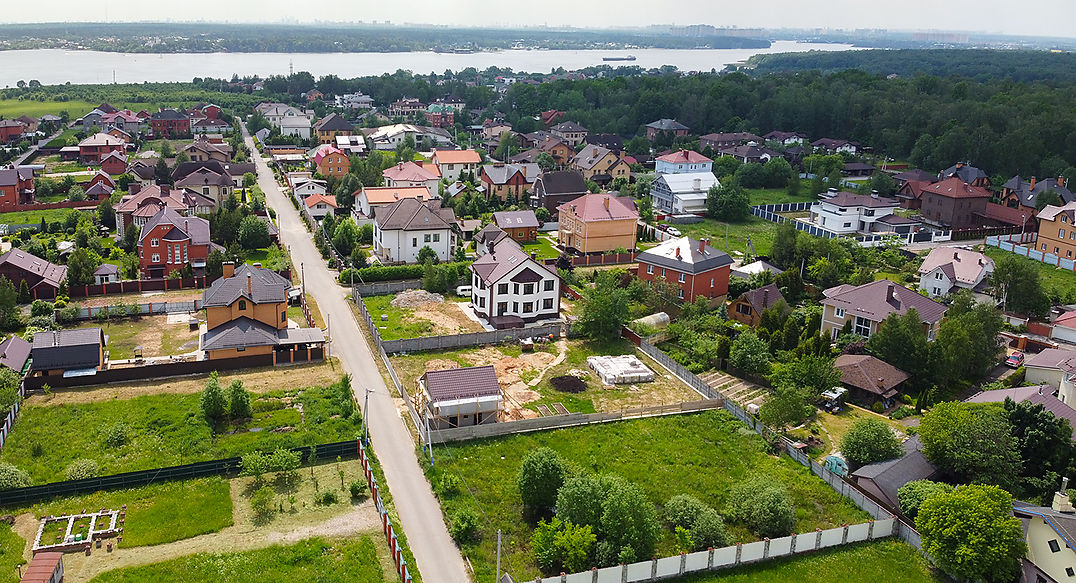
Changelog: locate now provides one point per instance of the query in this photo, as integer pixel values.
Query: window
(481, 302)
(683, 278)
(847, 225)
(662, 272)
(548, 285)
(242, 305)
(1061, 233)
(528, 307)
(502, 288)
(681, 294)
(241, 349)
(426, 238)
(283, 317)
(1064, 219)
(1070, 572)
(838, 312)
(515, 288)
(205, 190)
(154, 243)
(1054, 547)
(1055, 250)
(502, 307)
(547, 304)
(1044, 246)
(528, 288)
(650, 269)
(515, 306)
(156, 258)
(862, 327)
(937, 275)
(414, 241)
(744, 309)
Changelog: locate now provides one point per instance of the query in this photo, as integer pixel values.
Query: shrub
(81, 469)
(869, 440)
(902, 412)
(449, 485)
(213, 403)
(540, 476)
(464, 526)
(682, 510)
(283, 460)
(358, 489)
(709, 530)
(912, 495)
(629, 519)
(326, 498)
(877, 407)
(262, 501)
(563, 546)
(253, 464)
(41, 308)
(579, 500)
(13, 477)
(117, 434)
(238, 401)
(764, 507)
(67, 314)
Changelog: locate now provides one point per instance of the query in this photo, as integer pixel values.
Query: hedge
(389, 272)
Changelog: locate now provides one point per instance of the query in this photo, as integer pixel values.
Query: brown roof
(763, 297)
(41, 567)
(505, 256)
(49, 273)
(954, 187)
(963, 265)
(870, 374)
(875, 301)
(684, 157)
(456, 157)
(461, 383)
(410, 214)
(601, 207)
(1037, 395)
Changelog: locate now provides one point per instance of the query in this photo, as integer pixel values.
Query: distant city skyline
(1050, 18)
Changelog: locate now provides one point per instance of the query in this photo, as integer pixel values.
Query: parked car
(1015, 360)
(673, 231)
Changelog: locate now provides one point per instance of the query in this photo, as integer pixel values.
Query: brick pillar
(593, 572)
(710, 558)
(739, 551)
(765, 548)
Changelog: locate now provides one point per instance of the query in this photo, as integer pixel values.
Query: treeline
(277, 38)
(980, 64)
(1003, 127)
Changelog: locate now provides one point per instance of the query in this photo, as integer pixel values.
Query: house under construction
(458, 397)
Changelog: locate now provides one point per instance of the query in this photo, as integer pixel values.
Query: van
(463, 291)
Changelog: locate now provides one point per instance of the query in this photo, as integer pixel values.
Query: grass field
(832, 428)
(437, 319)
(1055, 281)
(153, 333)
(166, 430)
(159, 513)
(10, 108)
(34, 217)
(543, 247)
(351, 561)
(11, 546)
(760, 232)
(779, 195)
(888, 560)
(702, 454)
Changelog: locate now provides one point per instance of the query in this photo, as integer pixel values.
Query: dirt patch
(568, 384)
(414, 298)
(184, 295)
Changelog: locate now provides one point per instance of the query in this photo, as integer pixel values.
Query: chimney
(594, 152)
(1033, 181)
(702, 245)
(401, 166)
(1061, 181)
(1061, 499)
(606, 201)
(874, 194)
(165, 189)
(678, 252)
(186, 228)
(889, 292)
(229, 268)
(134, 187)
(765, 296)
(489, 247)
(250, 284)
(956, 256)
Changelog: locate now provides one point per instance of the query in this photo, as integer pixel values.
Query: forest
(324, 38)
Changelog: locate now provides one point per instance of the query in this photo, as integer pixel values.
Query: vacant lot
(326, 561)
(33, 217)
(427, 319)
(11, 108)
(53, 163)
(169, 429)
(153, 333)
(888, 560)
(525, 377)
(1056, 281)
(702, 454)
(760, 232)
(177, 295)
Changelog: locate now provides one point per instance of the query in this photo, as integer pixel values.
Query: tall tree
(1016, 283)
(605, 309)
(1044, 443)
(728, 203)
(971, 443)
(901, 341)
(967, 347)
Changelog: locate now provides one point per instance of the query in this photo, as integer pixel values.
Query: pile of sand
(414, 298)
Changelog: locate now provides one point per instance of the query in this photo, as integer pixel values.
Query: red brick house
(954, 204)
(170, 122)
(170, 241)
(11, 129)
(211, 111)
(16, 187)
(43, 278)
(692, 267)
(94, 148)
(100, 178)
(114, 163)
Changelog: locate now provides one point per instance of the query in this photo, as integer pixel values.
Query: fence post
(594, 576)
(870, 529)
(739, 551)
(683, 563)
(766, 548)
(654, 568)
(623, 573)
(710, 558)
(817, 538)
(844, 535)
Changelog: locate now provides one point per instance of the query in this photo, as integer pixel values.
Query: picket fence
(395, 547)
(9, 420)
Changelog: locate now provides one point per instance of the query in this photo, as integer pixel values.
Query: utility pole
(365, 420)
(498, 555)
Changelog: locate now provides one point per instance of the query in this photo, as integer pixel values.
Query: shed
(74, 352)
(459, 397)
(44, 568)
(870, 379)
(883, 479)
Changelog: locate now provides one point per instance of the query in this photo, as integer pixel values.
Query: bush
(67, 314)
(579, 500)
(81, 469)
(253, 464)
(449, 485)
(13, 477)
(869, 440)
(326, 498)
(540, 477)
(238, 401)
(464, 526)
(213, 403)
(764, 507)
(117, 435)
(358, 489)
(629, 519)
(41, 308)
(682, 510)
(563, 546)
(901, 413)
(912, 495)
(877, 407)
(709, 530)
(262, 501)
(283, 460)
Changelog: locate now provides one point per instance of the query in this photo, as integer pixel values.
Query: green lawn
(759, 231)
(150, 332)
(399, 323)
(543, 247)
(779, 195)
(891, 561)
(10, 108)
(350, 561)
(1056, 281)
(155, 145)
(66, 138)
(167, 430)
(702, 454)
(11, 546)
(33, 217)
(158, 513)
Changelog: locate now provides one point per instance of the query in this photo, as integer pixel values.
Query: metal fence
(395, 547)
(32, 494)
(1015, 243)
(732, 556)
(9, 420)
(472, 339)
(147, 309)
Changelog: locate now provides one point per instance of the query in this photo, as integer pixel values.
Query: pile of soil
(414, 298)
(568, 384)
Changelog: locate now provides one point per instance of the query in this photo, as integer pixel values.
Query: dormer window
(242, 305)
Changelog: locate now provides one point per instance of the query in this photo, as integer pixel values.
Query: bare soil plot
(154, 334)
(178, 295)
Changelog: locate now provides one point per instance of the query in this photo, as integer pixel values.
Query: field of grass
(543, 247)
(887, 560)
(152, 333)
(17, 107)
(155, 145)
(33, 217)
(702, 454)
(759, 231)
(444, 318)
(168, 429)
(351, 561)
(779, 195)
(1055, 281)
(158, 513)
(11, 546)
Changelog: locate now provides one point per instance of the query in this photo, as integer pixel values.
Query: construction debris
(414, 298)
(617, 370)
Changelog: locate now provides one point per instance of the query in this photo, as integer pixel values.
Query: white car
(673, 231)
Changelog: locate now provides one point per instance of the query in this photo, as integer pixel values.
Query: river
(56, 66)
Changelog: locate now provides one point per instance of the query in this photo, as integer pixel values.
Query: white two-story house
(683, 162)
(682, 193)
(948, 269)
(846, 213)
(403, 228)
(509, 288)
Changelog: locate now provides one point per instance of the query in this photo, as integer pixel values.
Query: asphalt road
(439, 559)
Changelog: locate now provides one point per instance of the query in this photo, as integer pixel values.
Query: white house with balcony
(846, 213)
(683, 162)
(682, 193)
(510, 288)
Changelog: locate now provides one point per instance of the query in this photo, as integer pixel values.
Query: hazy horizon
(1040, 18)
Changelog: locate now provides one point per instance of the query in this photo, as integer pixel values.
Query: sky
(1026, 17)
